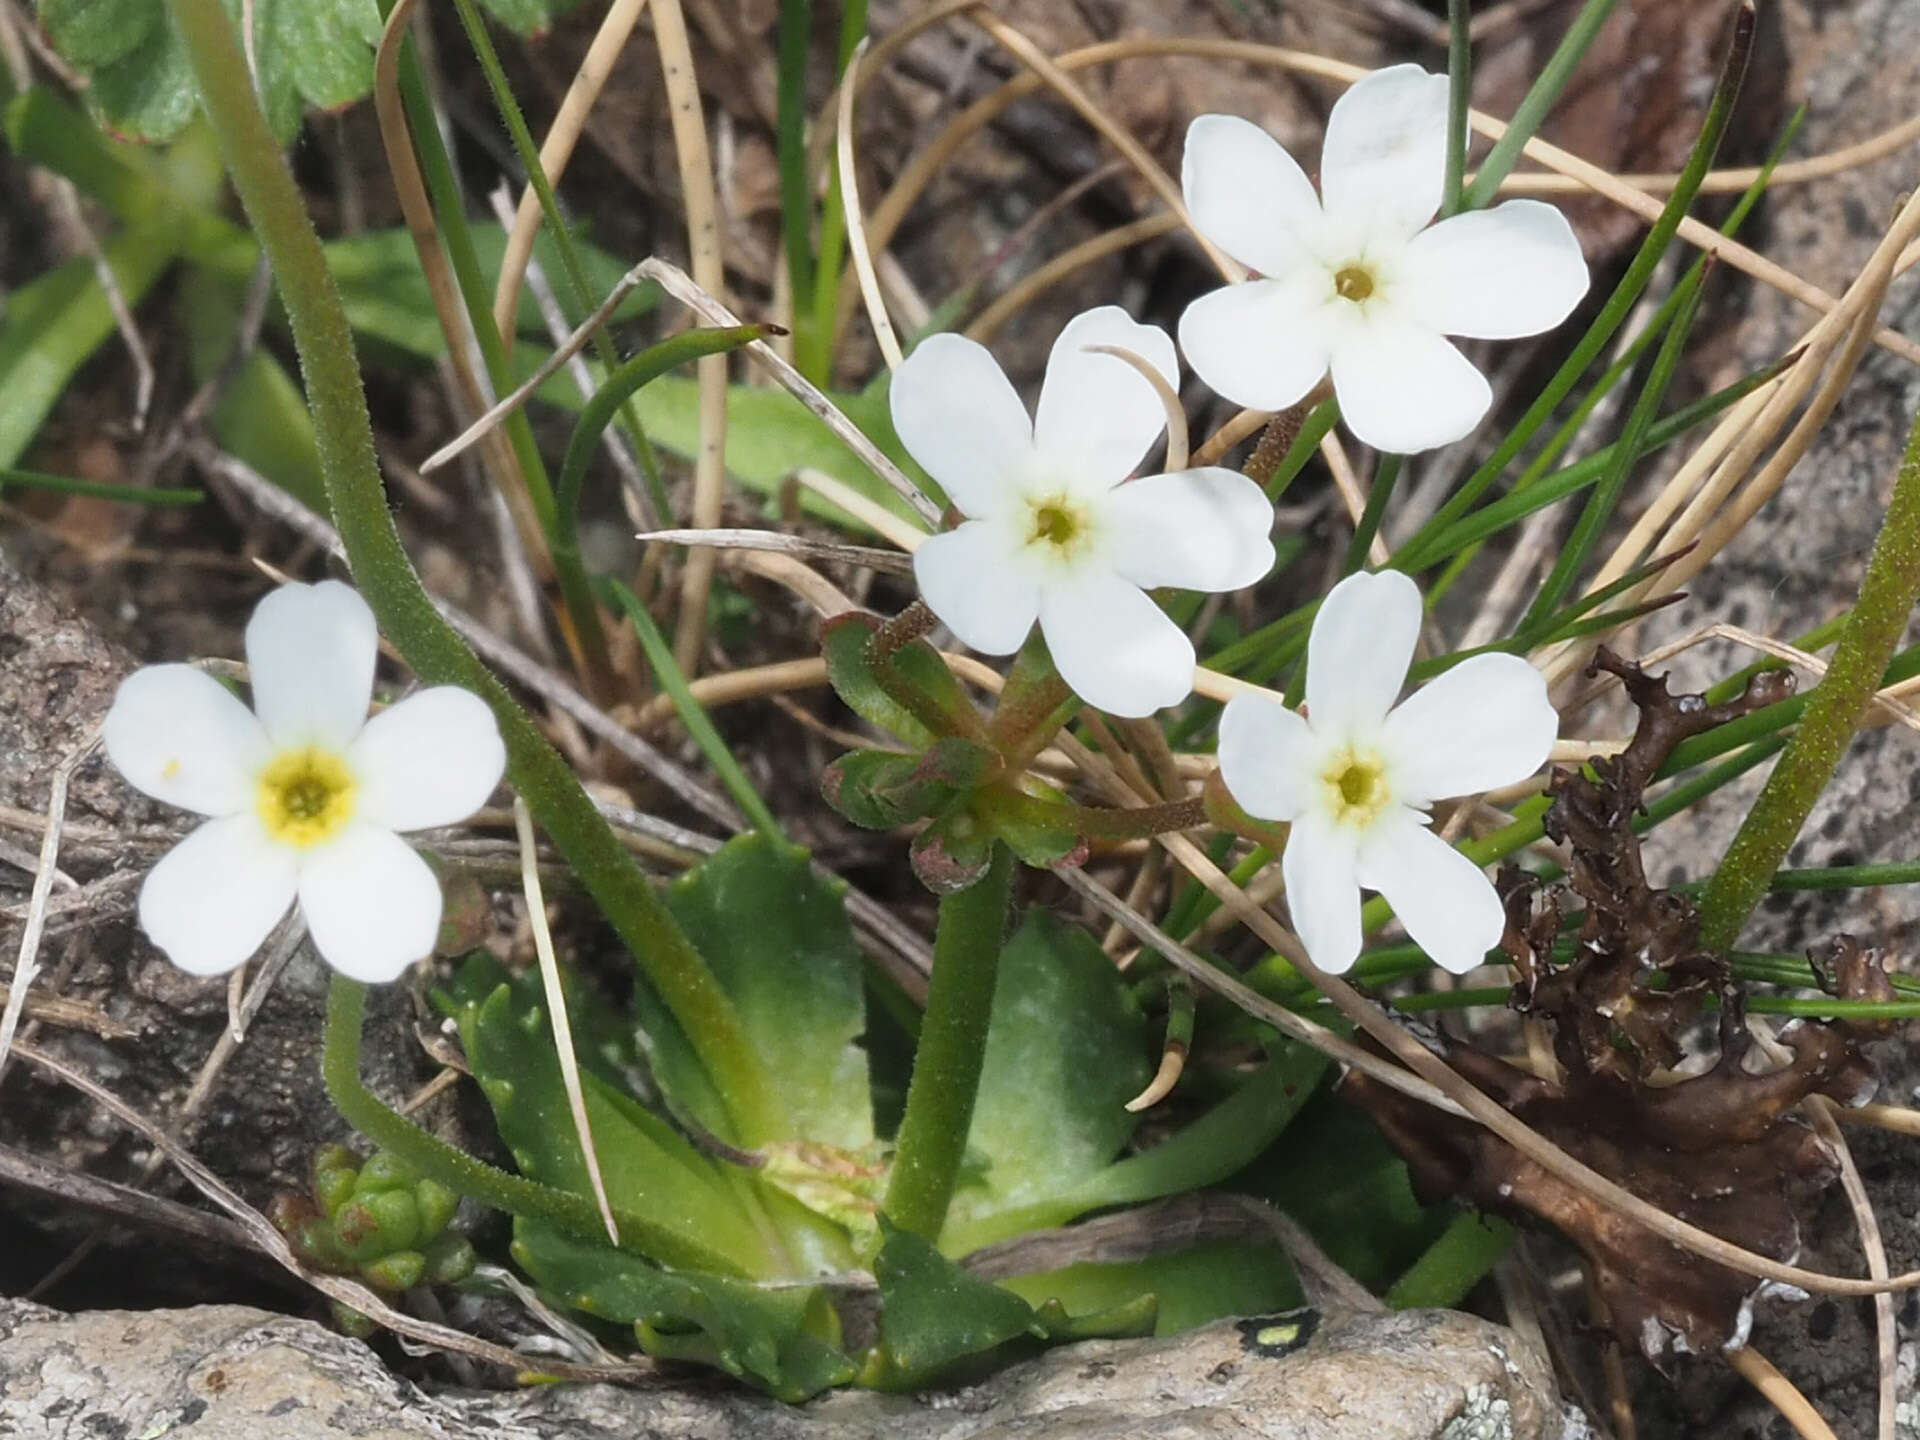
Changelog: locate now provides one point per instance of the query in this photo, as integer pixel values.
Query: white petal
(1269, 758)
(1358, 653)
(371, 904)
(1323, 892)
(1114, 646)
(972, 579)
(1384, 165)
(433, 759)
(212, 898)
(1248, 195)
(310, 651)
(1097, 414)
(1201, 529)
(1447, 904)
(1403, 387)
(957, 414)
(1485, 722)
(1266, 343)
(1494, 274)
(181, 736)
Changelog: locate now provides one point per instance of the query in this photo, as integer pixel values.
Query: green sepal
(952, 853)
(917, 667)
(1224, 812)
(880, 789)
(1039, 828)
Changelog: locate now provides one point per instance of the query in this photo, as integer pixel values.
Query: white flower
(1355, 775)
(1051, 532)
(1355, 280)
(305, 791)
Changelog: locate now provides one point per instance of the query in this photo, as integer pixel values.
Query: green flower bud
(450, 1259)
(373, 1225)
(383, 1171)
(351, 1321)
(436, 1205)
(399, 1271)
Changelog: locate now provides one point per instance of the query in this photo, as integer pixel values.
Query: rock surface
(230, 1373)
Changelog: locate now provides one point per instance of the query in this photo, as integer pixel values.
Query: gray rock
(230, 1373)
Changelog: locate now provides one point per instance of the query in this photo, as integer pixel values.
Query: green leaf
(648, 1168)
(919, 668)
(934, 1313)
(785, 1341)
(1193, 1287)
(1066, 1050)
(54, 322)
(777, 936)
(310, 53)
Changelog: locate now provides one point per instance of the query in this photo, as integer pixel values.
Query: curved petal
(972, 579)
(1493, 274)
(1359, 651)
(181, 736)
(1403, 387)
(1264, 344)
(371, 904)
(1248, 195)
(1201, 529)
(1384, 164)
(214, 897)
(1448, 906)
(1485, 722)
(1269, 758)
(1323, 891)
(310, 654)
(431, 760)
(1097, 414)
(957, 414)
(1114, 646)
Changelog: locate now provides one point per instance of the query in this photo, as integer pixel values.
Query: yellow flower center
(1356, 787)
(1058, 523)
(1353, 282)
(306, 796)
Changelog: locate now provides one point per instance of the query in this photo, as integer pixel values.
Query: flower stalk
(357, 499)
(1833, 712)
(953, 1042)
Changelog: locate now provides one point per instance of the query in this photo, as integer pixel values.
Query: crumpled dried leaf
(1719, 1149)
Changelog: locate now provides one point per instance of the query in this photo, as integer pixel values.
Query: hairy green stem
(953, 1041)
(380, 566)
(475, 1179)
(1833, 712)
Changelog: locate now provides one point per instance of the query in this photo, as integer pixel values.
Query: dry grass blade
(1873, 1246)
(1169, 401)
(555, 151)
(557, 1011)
(709, 270)
(270, 1242)
(1781, 1393)
(683, 288)
(779, 542)
(27, 962)
(862, 257)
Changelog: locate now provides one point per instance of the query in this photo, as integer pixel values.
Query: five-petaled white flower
(1051, 532)
(306, 792)
(1355, 775)
(1355, 280)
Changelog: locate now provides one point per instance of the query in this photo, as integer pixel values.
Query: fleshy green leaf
(1194, 1287)
(1066, 1050)
(844, 643)
(786, 1341)
(648, 1168)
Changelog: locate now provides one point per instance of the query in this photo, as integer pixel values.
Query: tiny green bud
(384, 1171)
(373, 1225)
(399, 1271)
(450, 1259)
(436, 1205)
(351, 1321)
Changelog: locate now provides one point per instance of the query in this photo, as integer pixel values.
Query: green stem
(1832, 714)
(1459, 96)
(380, 566)
(475, 1179)
(953, 1041)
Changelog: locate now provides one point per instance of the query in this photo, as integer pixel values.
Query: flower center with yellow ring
(1353, 282)
(1356, 787)
(1059, 524)
(306, 796)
